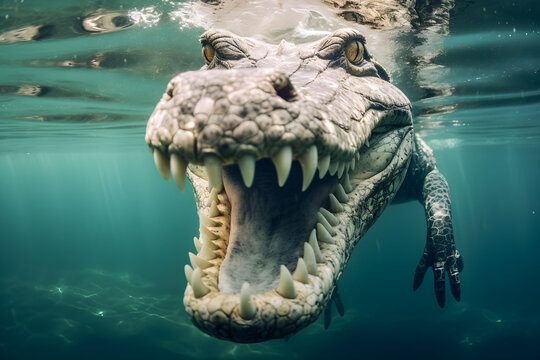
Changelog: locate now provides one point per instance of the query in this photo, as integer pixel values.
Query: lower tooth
(199, 290)
(326, 224)
(329, 216)
(315, 246)
(286, 284)
(301, 272)
(247, 307)
(335, 205)
(323, 235)
(309, 259)
(198, 262)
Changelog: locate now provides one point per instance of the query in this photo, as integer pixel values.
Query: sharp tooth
(301, 273)
(207, 253)
(206, 234)
(309, 259)
(329, 216)
(340, 169)
(247, 168)
(323, 235)
(214, 211)
(247, 307)
(323, 165)
(178, 169)
(189, 272)
(308, 162)
(347, 183)
(341, 194)
(332, 168)
(282, 161)
(198, 262)
(326, 224)
(367, 142)
(205, 220)
(286, 284)
(357, 156)
(197, 243)
(353, 163)
(213, 169)
(335, 206)
(162, 164)
(315, 246)
(213, 197)
(199, 290)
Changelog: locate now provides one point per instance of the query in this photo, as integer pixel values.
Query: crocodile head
(292, 152)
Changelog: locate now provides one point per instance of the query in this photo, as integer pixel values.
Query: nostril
(284, 88)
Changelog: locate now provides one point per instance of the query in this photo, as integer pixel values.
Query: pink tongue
(269, 225)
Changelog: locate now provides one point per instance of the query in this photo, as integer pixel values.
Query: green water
(93, 241)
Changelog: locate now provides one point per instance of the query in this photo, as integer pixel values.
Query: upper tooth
(283, 160)
(188, 271)
(213, 197)
(332, 168)
(315, 246)
(341, 195)
(286, 284)
(309, 259)
(347, 183)
(178, 169)
(214, 211)
(197, 243)
(199, 290)
(247, 307)
(323, 235)
(323, 165)
(326, 224)
(335, 206)
(353, 163)
(367, 142)
(301, 272)
(213, 169)
(162, 164)
(341, 168)
(329, 216)
(308, 161)
(198, 262)
(247, 168)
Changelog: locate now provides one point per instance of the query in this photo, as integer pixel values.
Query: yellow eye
(354, 51)
(208, 53)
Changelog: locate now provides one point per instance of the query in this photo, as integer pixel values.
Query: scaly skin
(310, 104)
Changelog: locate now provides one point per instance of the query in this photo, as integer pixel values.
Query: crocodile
(293, 152)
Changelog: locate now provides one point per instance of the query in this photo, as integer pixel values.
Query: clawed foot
(444, 259)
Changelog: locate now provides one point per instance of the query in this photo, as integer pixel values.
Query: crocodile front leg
(440, 251)
(425, 183)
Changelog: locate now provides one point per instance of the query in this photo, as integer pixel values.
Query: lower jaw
(220, 314)
(275, 313)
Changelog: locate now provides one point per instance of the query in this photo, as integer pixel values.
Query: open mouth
(275, 233)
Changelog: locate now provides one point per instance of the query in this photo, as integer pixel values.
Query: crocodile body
(293, 152)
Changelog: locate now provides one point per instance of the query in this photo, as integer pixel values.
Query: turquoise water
(93, 241)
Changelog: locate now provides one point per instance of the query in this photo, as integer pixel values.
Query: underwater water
(93, 242)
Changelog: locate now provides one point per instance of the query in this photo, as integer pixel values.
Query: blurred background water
(93, 241)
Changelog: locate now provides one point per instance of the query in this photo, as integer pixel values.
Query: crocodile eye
(208, 53)
(354, 51)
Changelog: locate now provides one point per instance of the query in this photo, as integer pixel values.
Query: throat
(269, 225)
